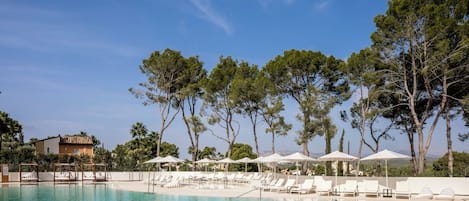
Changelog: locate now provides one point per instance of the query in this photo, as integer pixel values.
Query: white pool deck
(236, 191)
(136, 181)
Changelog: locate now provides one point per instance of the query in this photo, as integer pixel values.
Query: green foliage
(10, 132)
(102, 155)
(190, 94)
(132, 154)
(168, 149)
(276, 125)
(210, 153)
(319, 169)
(461, 162)
(218, 88)
(248, 95)
(240, 151)
(166, 77)
(313, 81)
(425, 47)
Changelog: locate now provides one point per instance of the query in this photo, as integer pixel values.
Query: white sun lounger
(425, 193)
(28, 177)
(323, 187)
(285, 188)
(306, 187)
(445, 194)
(371, 187)
(402, 189)
(349, 188)
(278, 184)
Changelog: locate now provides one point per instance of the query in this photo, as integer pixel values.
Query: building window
(48, 150)
(76, 151)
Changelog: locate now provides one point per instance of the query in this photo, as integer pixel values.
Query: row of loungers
(170, 181)
(351, 188)
(318, 185)
(33, 177)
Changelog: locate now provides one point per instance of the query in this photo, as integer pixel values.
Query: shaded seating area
(94, 172)
(29, 173)
(65, 172)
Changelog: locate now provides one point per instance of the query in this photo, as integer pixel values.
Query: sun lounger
(100, 176)
(425, 193)
(349, 188)
(28, 177)
(285, 188)
(173, 183)
(445, 194)
(267, 184)
(323, 187)
(371, 187)
(306, 187)
(64, 176)
(402, 189)
(278, 184)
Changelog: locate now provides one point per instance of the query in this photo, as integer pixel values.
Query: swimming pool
(102, 192)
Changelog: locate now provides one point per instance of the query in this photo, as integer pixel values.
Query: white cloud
(321, 5)
(35, 32)
(266, 3)
(211, 15)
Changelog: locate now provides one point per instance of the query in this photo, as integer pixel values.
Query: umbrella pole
(297, 173)
(386, 164)
(245, 167)
(337, 162)
(149, 168)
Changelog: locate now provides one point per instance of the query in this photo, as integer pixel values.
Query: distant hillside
(403, 163)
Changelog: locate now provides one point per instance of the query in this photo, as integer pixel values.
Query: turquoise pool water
(91, 193)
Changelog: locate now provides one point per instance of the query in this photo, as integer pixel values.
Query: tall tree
(248, 96)
(191, 93)
(163, 71)
(451, 27)
(364, 73)
(408, 38)
(302, 74)
(322, 123)
(276, 124)
(217, 97)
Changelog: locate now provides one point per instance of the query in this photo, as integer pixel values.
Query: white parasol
(337, 156)
(386, 155)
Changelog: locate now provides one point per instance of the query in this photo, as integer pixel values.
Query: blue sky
(66, 66)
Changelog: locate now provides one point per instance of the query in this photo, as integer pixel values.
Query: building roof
(72, 139)
(76, 140)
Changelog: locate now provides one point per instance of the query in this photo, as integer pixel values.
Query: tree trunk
(328, 150)
(160, 137)
(273, 142)
(362, 133)
(189, 133)
(254, 131)
(448, 138)
(305, 152)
